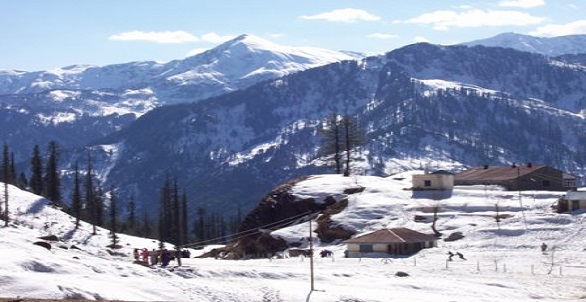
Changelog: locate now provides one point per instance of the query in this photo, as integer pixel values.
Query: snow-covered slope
(245, 60)
(555, 46)
(504, 261)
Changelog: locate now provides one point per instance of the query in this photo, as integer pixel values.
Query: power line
(273, 225)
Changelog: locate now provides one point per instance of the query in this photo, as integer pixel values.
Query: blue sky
(45, 34)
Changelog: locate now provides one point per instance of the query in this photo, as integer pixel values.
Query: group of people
(154, 257)
(450, 255)
(326, 253)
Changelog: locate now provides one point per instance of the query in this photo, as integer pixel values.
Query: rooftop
(393, 235)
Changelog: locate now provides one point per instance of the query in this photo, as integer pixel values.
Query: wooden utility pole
(311, 253)
(5, 202)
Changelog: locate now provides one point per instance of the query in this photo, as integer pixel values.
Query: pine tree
(52, 179)
(184, 221)
(13, 179)
(176, 222)
(76, 196)
(165, 215)
(146, 230)
(99, 206)
(6, 178)
(22, 181)
(113, 220)
(6, 166)
(201, 223)
(90, 199)
(36, 181)
(131, 216)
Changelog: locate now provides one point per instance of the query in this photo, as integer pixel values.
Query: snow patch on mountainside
(57, 118)
(435, 84)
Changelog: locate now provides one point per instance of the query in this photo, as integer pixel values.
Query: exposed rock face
(278, 206)
(278, 209)
(50, 238)
(43, 244)
(326, 230)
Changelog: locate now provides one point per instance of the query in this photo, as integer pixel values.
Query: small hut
(385, 242)
(572, 201)
(438, 180)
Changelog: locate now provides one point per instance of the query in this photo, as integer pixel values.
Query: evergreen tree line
(89, 203)
(45, 182)
(174, 220)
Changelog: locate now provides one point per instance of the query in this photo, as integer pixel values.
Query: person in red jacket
(145, 255)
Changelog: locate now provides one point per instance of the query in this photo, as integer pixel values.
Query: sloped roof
(576, 195)
(442, 172)
(393, 235)
(497, 173)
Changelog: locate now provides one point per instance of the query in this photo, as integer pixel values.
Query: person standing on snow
(145, 256)
(165, 258)
(136, 254)
(154, 257)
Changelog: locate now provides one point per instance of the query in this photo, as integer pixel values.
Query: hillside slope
(503, 262)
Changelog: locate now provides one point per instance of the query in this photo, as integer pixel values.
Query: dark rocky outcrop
(454, 236)
(277, 206)
(326, 230)
(43, 244)
(279, 209)
(50, 238)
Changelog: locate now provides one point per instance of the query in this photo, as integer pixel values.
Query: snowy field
(504, 261)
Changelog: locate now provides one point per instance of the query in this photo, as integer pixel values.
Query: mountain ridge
(549, 46)
(423, 105)
(252, 139)
(63, 104)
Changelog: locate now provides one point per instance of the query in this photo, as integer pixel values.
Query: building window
(366, 248)
(545, 183)
(569, 183)
(427, 183)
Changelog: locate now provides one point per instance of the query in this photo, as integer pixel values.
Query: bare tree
(341, 135)
(332, 141)
(353, 137)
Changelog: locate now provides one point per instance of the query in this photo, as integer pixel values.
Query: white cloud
(276, 35)
(553, 30)
(522, 3)
(444, 19)
(420, 39)
(215, 38)
(382, 36)
(178, 36)
(345, 15)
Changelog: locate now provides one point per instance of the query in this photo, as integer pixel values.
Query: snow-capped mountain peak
(245, 60)
(552, 46)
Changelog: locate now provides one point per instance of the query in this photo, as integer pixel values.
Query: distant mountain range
(77, 104)
(555, 46)
(424, 106)
(231, 123)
